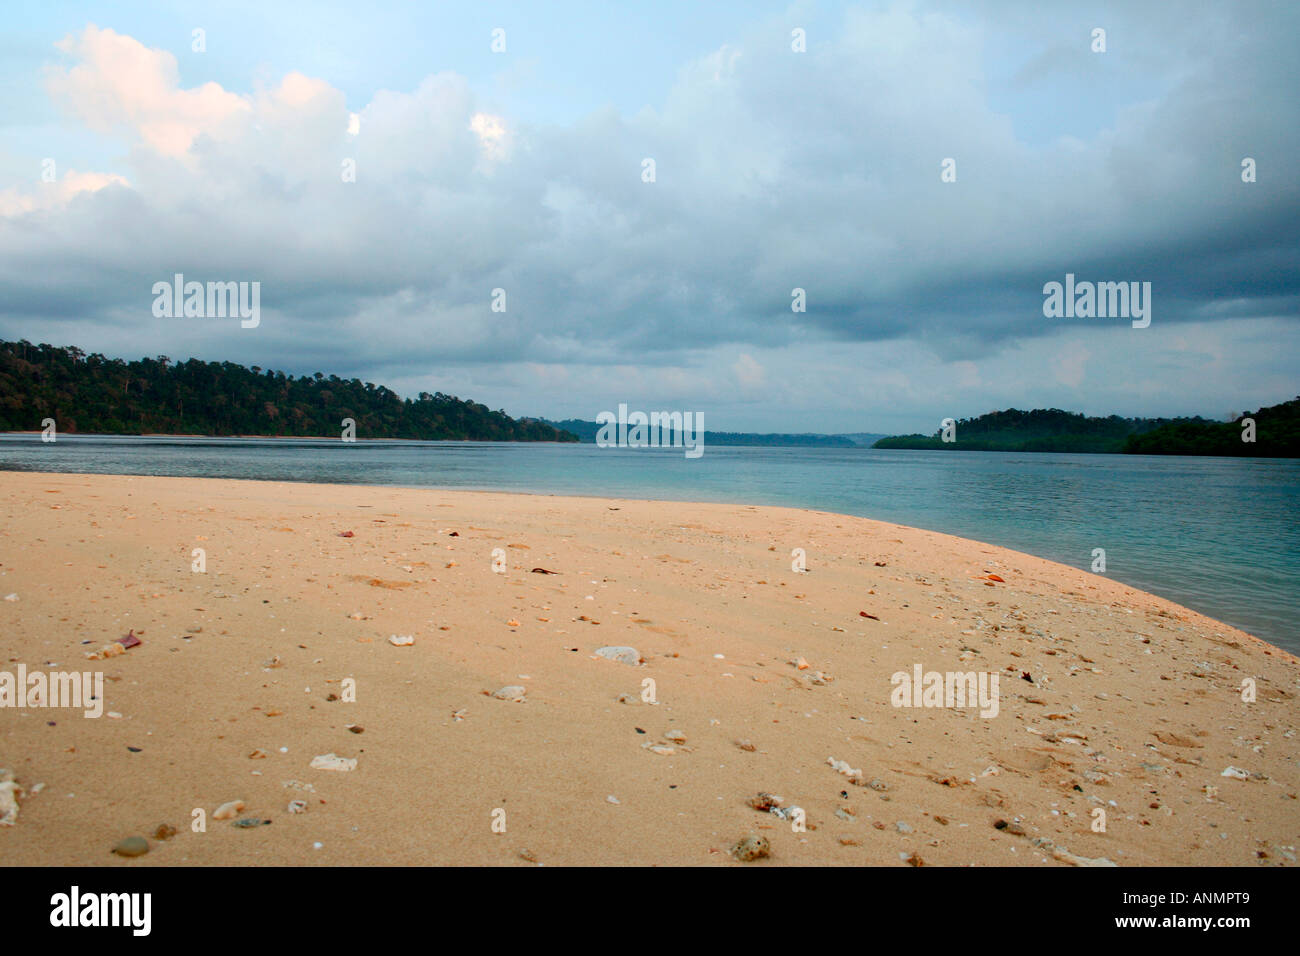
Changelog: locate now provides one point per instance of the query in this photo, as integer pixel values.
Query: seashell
(228, 811)
(855, 776)
(513, 693)
(332, 761)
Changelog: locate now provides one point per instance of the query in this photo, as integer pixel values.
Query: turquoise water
(1219, 535)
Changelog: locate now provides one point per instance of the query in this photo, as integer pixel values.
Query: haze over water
(1221, 536)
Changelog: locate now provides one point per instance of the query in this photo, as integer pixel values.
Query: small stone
(902, 827)
(1235, 773)
(612, 799)
(751, 848)
(297, 806)
(165, 831)
(513, 693)
(132, 846)
(622, 655)
(746, 746)
(403, 640)
(764, 801)
(676, 736)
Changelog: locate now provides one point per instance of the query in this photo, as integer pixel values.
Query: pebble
(132, 846)
(514, 692)
(405, 640)
(902, 827)
(297, 806)
(751, 848)
(622, 655)
(612, 799)
(1235, 773)
(165, 831)
(676, 736)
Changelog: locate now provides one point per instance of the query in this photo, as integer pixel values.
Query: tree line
(94, 394)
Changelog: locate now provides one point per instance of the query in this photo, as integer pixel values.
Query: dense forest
(1277, 434)
(93, 394)
(1043, 429)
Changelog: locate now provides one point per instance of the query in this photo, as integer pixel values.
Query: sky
(380, 170)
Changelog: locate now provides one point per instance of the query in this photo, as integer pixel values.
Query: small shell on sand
(676, 736)
(751, 848)
(622, 655)
(401, 640)
(855, 776)
(132, 846)
(8, 799)
(514, 692)
(228, 811)
(332, 761)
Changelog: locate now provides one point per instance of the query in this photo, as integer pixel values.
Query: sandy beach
(1109, 698)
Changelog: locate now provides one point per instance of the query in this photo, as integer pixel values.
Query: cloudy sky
(126, 155)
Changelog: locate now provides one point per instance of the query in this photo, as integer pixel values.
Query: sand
(1110, 698)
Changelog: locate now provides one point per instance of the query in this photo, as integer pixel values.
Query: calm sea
(1218, 535)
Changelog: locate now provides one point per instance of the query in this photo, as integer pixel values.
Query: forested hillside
(93, 394)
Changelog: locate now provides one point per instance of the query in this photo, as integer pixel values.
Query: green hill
(1043, 429)
(1277, 435)
(94, 394)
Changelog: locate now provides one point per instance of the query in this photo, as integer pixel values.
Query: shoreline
(666, 501)
(1107, 693)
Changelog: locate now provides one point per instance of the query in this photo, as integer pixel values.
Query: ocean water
(1218, 535)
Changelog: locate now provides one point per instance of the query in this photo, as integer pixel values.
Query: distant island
(93, 394)
(1277, 434)
(586, 432)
